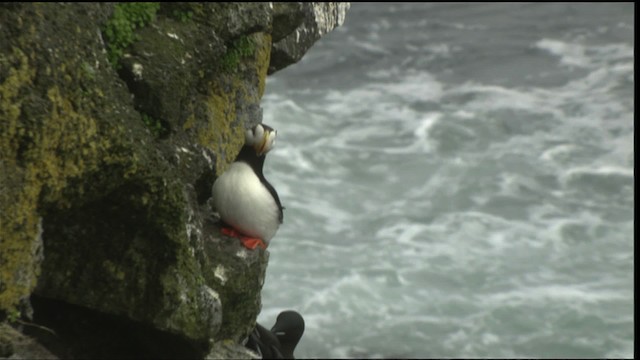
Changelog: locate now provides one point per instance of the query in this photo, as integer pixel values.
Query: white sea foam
(551, 293)
(449, 215)
(607, 171)
(561, 150)
(570, 54)
(425, 125)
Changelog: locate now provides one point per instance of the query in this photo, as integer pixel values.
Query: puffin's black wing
(248, 155)
(275, 196)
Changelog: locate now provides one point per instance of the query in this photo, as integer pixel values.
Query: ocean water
(458, 182)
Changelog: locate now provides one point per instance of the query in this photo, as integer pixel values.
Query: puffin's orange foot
(248, 242)
(252, 243)
(230, 232)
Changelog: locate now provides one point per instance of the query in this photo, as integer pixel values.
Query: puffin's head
(288, 328)
(261, 137)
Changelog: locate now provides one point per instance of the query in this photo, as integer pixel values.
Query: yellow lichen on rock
(31, 161)
(18, 222)
(225, 128)
(65, 132)
(225, 138)
(262, 43)
(19, 77)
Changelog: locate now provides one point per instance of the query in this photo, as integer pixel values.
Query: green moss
(156, 126)
(119, 30)
(87, 71)
(241, 48)
(13, 315)
(182, 15)
(182, 11)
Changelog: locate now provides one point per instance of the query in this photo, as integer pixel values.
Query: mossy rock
(120, 223)
(115, 119)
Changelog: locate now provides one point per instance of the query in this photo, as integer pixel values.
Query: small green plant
(119, 30)
(237, 50)
(182, 15)
(87, 71)
(155, 125)
(13, 315)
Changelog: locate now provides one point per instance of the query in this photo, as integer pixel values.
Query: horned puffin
(247, 203)
(281, 340)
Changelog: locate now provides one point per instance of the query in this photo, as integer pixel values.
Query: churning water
(458, 182)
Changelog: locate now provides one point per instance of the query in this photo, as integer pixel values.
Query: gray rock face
(15, 345)
(299, 26)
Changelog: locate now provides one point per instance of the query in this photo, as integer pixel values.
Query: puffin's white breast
(245, 203)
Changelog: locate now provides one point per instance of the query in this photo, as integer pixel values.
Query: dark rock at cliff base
(14, 344)
(115, 119)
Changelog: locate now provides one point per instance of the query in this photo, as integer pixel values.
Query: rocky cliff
(115, 119)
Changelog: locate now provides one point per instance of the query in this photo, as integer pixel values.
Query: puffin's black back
(248, 155)
(281, 340)
(265, 343)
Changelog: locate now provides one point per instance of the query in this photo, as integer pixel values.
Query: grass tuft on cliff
(119, 30)
(236, 51)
